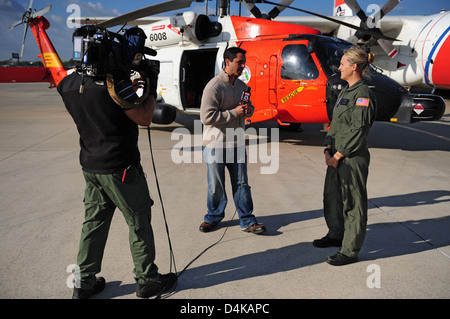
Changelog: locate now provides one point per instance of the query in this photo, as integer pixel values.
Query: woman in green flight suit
(347, 156)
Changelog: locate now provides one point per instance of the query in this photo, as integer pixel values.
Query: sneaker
(256, 229)
(154, 288)
(80, 293)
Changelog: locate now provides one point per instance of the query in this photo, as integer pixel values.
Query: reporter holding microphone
(225, 105)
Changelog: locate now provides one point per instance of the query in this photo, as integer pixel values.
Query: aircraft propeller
(370, 23)
(27, 17)
(373, 32)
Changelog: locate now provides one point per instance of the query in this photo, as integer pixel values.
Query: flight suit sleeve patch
(362, 102)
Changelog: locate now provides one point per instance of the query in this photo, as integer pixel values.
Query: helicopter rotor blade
(27, 17)
(250, 5)
(15, 24)
(30, 6)
(23, 40)
(147, 11)
(252, 8)
(41, 12)
(279, 8)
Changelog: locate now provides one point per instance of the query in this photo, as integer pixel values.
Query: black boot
(154, 288)
(80, 293)
(327, 242)
(340, 259)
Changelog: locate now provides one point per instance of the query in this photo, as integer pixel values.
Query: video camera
(101, 53)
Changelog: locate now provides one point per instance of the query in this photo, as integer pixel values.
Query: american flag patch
(362, 102)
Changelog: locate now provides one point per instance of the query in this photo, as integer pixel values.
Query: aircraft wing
(24, 74)
(98, 20)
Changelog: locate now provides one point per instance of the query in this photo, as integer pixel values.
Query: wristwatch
(327, 149)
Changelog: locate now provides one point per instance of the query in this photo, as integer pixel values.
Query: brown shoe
(206, 227)
(256, 229)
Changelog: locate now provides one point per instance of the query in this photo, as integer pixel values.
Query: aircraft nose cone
(441, 65)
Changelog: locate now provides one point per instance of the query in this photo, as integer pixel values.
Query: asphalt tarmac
(406, 253)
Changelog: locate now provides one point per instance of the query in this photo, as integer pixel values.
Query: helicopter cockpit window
(329, 55)
(298, 63)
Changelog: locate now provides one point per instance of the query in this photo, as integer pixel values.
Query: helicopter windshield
(298, 63)
(329, 52)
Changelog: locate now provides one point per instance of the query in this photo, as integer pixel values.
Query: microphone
(245, 97)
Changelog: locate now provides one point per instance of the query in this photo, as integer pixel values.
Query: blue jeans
(235, 160)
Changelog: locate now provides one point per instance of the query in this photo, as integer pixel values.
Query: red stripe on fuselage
(441, 66)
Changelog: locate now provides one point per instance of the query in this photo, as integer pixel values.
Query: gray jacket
(217, 113)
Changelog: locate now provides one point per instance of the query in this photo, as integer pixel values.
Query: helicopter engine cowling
(182, 29)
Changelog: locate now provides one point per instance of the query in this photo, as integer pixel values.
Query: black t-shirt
(108, 138)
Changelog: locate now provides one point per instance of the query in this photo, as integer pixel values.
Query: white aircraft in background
(413, 50)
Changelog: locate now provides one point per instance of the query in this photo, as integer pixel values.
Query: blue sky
(61, 35)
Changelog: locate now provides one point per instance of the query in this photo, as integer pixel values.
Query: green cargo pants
(345, 202)
(103, 194)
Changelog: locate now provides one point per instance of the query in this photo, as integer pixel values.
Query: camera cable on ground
(171, 253)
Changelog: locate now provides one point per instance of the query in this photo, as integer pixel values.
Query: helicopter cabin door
(197, 68)
(299, 97)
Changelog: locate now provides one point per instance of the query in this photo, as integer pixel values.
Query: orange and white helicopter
(291, 69)
(414, 52)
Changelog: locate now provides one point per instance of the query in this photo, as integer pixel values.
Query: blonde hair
(359, 57)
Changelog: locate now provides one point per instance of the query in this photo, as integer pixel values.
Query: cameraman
(110, 160)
